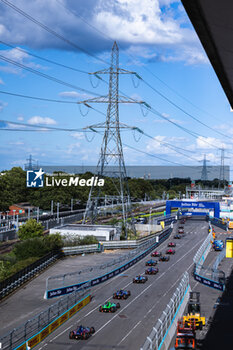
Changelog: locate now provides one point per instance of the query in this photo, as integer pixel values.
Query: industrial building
(101, 232)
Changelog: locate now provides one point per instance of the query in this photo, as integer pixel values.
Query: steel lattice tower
(222, 167)
(204, 176)
(111, 149)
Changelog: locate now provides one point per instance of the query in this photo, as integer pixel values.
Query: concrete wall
(147, 227)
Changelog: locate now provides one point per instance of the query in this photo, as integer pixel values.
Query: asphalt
(215, 305)
(29, 300)
(133, 322)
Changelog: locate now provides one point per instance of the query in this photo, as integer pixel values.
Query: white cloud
(20, 118)
(74, 146)
(209, 143)
(17, 143)
(150, 27)
(2, 105)
(1, 82)
(19, 162)
(41, 120)
(17, 56)
(78, 135)
(74, 94)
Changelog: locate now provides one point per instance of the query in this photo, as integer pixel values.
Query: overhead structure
(204, 172)
(111, 150)
(212, 20)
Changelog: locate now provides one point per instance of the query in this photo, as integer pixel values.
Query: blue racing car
(151, 262)
(121, 294)
(81, 332)
(140, 279)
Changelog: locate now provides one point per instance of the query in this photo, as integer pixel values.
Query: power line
(45, 127)
(148, 70)
(183, 110)
(36, 98)
(46, 76)
(51, 31)
(155, 156)
(43, 58)
(144, 67)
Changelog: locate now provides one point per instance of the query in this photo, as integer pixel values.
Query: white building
(101, 232)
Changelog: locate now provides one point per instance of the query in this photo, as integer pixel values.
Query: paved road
(129, 326)
(31, 295)
(209, 296)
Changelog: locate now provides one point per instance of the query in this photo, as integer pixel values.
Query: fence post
(151, 344)
(156, 338)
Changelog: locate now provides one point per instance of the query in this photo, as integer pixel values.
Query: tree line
(13, 190)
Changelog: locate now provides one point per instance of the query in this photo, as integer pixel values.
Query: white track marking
(153, 307)
(144, 290)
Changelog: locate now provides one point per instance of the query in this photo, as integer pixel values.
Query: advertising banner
(209, 283)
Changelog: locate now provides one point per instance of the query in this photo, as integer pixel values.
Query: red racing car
(171, 244)
(156, 254)
(170, 251)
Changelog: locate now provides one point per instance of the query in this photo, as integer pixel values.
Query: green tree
(53, 241)
(30, 229)
(32, 247)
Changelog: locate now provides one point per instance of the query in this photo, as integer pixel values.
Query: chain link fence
(206, 275)
(158, 333)
(37, 323)
(22, 276)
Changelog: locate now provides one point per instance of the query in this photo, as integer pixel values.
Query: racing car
(121, 294)
(164, 258)
(177, 237)
(152, 271)
(151, 262)
(171, 244)
(81, 332)
(140, 279)
(109, 307)
(170, 251)
(156, 254)
(182, 221)
(180, 229)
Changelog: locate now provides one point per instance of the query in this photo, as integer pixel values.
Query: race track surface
(128, 327)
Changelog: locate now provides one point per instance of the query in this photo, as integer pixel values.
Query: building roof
(212, 20)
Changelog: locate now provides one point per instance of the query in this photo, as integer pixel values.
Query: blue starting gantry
(193, 205)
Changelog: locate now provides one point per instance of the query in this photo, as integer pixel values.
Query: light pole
(150, 221)
(51, 207)
(38, 211)
(7, 218)
(29, 213)
(17, 223)
(71, 204)
(58, 212)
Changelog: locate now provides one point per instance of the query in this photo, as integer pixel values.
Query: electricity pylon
(222, 168)
(204, 172)
(111, 149)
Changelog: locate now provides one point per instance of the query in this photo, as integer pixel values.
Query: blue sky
(155, 39)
